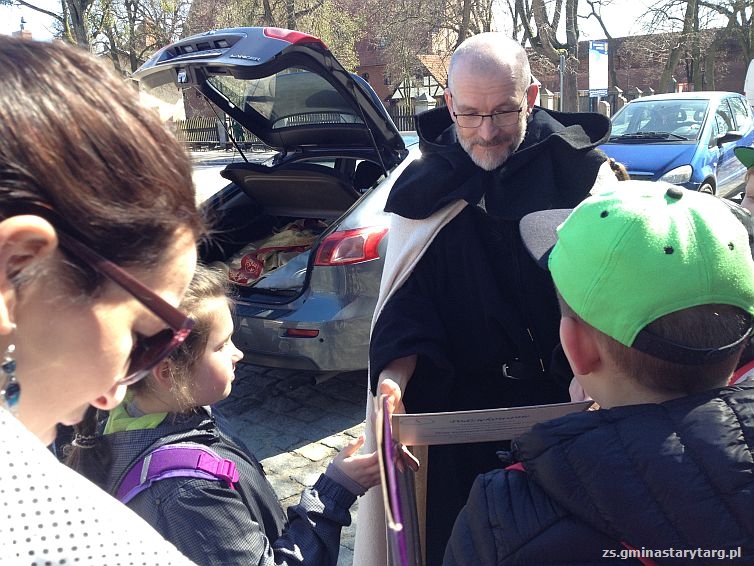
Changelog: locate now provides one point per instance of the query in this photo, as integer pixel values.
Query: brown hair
(620, 171)
(74, 136)
(207, 284)
(704, 326)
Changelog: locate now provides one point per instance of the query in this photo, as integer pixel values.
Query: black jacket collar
(446, 173)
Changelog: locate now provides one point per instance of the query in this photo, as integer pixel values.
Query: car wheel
(707, 188)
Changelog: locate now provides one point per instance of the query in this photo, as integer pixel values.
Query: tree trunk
(570, 94)
(675, 52)
(709, 58)
(463, 29)
(77, 30)
(570, 83)
(290, 15)
(268, 19)
(547, 45)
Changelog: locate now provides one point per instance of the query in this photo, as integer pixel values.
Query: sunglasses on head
(148, 350)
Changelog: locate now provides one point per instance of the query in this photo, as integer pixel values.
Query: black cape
(477, 310)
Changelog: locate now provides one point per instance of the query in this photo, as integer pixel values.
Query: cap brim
(745, 155)
(539, 232)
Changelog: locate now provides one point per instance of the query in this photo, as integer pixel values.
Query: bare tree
(129, 31)
(595, 11)
(71, 20)
(538, 23)
(401, 31)
(693, 27)
(465, 18)
(739, 17)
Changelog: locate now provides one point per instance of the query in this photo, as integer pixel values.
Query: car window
(630, 119)
(741, 113)
(684, 118)
(292, 97)
(723, 118)
(690, 118)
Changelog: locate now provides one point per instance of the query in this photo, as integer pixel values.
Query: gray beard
(490, 162)
(486, 161)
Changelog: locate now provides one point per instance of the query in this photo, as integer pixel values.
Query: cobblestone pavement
(295, 427)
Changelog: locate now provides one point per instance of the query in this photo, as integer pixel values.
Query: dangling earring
(11, 390)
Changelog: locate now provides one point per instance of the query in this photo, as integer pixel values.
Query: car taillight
(350, 246)
(301, 333)
(292, 36)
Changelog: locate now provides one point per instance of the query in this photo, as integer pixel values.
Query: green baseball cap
(628, 256)
(745, 155)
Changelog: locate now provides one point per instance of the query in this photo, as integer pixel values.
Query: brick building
(643, 71)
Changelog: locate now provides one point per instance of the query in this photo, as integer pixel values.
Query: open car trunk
(272, 223)
(286, 88)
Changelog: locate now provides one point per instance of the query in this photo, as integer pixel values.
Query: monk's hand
(390, 390)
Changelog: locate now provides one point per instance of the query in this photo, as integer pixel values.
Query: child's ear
(580, 346)
(162, 376)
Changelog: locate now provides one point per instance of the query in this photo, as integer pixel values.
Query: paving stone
(307, 414)
(345, 556)
(336, 441)
(285, 488)
(310, 478)
(356, 431)
(316, 452)
(282, 464)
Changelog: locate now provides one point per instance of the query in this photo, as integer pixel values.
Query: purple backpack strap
(175, 460)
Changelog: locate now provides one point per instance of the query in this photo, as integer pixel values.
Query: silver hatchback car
(302, 236)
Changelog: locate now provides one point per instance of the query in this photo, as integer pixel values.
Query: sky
(37, 23)
(620, 17)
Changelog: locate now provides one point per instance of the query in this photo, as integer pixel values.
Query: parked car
(684, 138)
(302, 236)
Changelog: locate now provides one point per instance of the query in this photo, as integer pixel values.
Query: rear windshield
(290, 98)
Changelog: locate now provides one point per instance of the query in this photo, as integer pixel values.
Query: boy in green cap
(657, 296)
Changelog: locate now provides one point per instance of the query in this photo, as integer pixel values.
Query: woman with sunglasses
(225, 512)
(97, 246)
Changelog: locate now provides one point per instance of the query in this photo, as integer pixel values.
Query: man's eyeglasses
(149, 350)
(499, 119)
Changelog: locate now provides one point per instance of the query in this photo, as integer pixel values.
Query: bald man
(465, 318)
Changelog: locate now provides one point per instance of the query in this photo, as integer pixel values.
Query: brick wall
(729, 71)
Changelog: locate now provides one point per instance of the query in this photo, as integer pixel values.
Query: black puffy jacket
(675, 477)
(213, 524)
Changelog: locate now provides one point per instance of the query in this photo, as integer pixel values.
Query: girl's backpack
(175, 460)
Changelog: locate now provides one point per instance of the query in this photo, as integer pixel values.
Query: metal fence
(202, 133)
